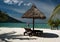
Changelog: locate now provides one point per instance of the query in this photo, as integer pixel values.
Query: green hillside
(4, 18)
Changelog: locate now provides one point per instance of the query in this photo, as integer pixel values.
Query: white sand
(7, 32)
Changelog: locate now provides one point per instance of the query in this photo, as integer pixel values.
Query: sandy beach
(16, 35)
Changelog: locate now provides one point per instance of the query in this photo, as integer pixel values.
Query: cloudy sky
(16, 8)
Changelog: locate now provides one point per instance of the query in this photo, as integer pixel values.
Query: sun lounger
(30, 32)
(37, 32)
(27, 31)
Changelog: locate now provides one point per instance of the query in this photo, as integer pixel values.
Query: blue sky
(16, 8)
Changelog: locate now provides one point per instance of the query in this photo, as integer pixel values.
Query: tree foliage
(3, 16)
(55, 17)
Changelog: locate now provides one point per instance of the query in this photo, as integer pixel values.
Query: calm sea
(24, 25)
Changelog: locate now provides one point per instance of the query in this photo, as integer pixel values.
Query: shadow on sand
(48, 35)
(11, 35)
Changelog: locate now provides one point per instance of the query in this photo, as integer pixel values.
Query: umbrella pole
(33, 23)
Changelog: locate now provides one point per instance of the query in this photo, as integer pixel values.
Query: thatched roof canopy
(33, 12)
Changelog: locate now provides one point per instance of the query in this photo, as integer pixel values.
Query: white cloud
(11, 1)
(8, 1)
(27, 4)
(20, 3)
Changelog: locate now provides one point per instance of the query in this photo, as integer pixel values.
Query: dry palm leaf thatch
(33, 12)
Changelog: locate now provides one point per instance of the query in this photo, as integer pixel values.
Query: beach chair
(28, 31)
(37, 32)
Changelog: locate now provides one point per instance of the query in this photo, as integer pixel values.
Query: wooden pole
(33, 23)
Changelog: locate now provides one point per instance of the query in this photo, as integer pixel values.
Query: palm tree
(54, 20)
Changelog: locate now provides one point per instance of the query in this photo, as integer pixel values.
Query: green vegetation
(5, 18)
(54, 20)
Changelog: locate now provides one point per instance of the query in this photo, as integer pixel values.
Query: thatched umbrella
(34, 13)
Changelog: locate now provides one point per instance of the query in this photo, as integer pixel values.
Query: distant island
(5, 18)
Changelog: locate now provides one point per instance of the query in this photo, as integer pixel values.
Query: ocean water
(23, 25)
